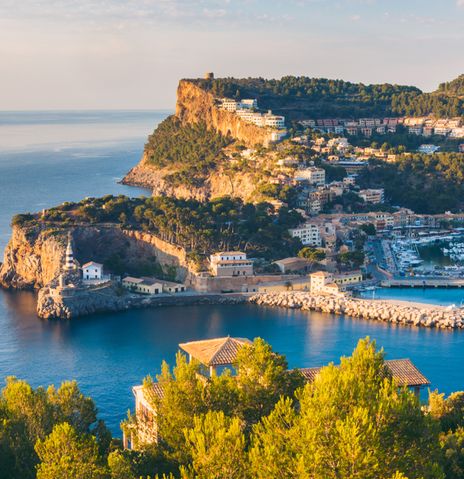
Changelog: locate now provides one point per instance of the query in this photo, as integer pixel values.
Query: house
(323, 282)
(215, 355)
(428, 149)
(92, 270)
(293, 264)
(231, 263)
(142, 285)
(402, 371)
(171, 287)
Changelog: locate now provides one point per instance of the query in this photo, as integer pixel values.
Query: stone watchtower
(209, 76)
(69, 264)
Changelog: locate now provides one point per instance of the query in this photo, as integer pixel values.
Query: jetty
(394, 312)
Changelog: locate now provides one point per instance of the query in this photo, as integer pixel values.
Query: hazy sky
(59, 54)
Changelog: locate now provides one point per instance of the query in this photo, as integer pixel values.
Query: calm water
(444, 297)
(47, 158)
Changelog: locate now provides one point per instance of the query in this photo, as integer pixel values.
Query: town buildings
(151, 286)
(231, 263)
(313, 175)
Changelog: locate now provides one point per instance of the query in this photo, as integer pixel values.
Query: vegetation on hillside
(200, 228)
(423, 183)
(299, 97)
(192, 151)
(454, 87)
(353, 422)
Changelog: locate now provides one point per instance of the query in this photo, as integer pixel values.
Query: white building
(69, 264)
(92, 270)
(231, 263)
(428, 149)
(372, 195)
(314, 175)
(229, 104)
(142, 285)
(308, 234)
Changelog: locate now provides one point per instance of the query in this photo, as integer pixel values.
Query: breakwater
(412, 314)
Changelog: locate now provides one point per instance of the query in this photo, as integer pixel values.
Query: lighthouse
(69, 258)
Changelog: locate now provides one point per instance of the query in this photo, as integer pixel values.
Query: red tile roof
(215, 352)
(402, 370)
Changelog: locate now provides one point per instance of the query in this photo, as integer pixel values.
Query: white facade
(92, 270)
(231, 263)
(372, 195)
(314, 176)
(428, 149)
(139, 285)
(249, 103)
(308, 234)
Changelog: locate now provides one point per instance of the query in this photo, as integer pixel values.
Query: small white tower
(69, 264)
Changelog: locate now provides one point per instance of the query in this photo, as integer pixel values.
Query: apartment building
(308, 234)
(313, 175)
(372, 195)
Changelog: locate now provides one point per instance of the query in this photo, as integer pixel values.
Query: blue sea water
(50, 157)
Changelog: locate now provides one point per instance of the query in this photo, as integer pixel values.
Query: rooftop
(402, 370)
(92, 263)
(215, 352)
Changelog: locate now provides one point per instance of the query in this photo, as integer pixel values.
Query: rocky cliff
(195, 105)
(34, 255)
(218, 183)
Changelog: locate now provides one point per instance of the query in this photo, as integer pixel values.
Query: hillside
(199, 152)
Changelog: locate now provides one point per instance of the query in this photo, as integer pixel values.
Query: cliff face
(34, 258)
(218, 183)
(196, 105)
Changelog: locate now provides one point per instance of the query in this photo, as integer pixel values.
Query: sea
(50, 157)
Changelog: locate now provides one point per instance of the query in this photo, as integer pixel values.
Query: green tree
(274, 447)
(68, 454)
(216, 445)
(313, 255)
(262, 378)
(452, 444)
(356, 423)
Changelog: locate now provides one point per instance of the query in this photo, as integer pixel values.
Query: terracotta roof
(402, 370)
(90, 263)
(215, 352)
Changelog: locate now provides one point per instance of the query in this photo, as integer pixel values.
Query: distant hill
(304, 97)
(453, 88)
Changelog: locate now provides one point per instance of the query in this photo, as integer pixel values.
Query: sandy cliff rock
(32, 259)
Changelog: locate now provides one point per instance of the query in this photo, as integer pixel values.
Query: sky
(130, 54)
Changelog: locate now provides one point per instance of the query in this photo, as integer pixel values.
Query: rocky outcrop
(195, 104)
(32, 258)
(55, 303)
(218, 183)
(376, 310)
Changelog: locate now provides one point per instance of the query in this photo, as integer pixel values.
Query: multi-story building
(231, 263)
(313, 175)
(308, 234)
(372, 195)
